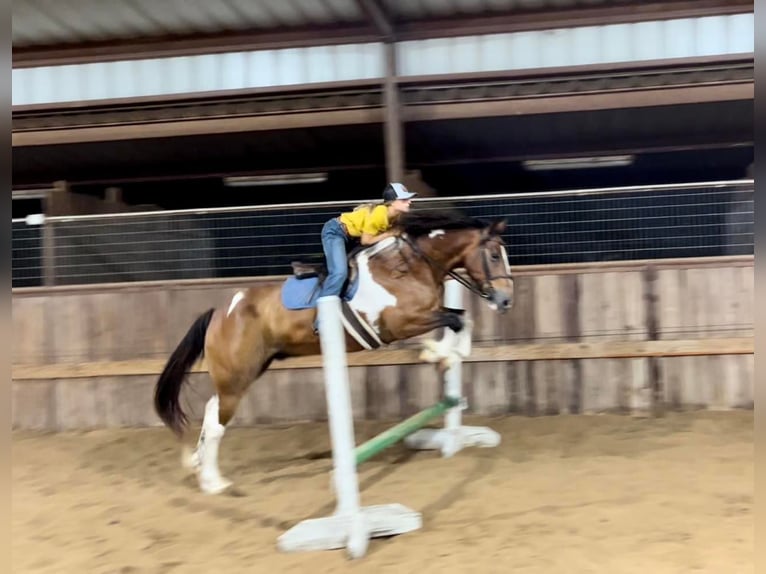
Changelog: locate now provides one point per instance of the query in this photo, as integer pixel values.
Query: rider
(368, 223)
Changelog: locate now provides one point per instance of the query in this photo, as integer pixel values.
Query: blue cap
(395, 191)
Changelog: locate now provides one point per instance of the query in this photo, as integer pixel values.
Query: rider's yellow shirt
(366, 220)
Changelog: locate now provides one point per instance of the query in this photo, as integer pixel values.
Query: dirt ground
(605, 494)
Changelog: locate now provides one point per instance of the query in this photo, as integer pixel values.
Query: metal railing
(591, 225)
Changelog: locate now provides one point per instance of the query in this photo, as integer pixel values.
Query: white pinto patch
(435, 233)
(371, 298)
(238, 296)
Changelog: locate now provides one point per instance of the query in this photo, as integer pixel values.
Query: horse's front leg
(455, 343)
(453, 320)
(399, 325)
(416, 325)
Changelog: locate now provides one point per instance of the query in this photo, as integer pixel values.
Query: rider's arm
(376, 226)
(369, 239)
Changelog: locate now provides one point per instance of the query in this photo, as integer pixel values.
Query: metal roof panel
(73, 21)
(75, 31)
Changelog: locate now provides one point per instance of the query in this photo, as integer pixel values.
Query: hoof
(214, 486)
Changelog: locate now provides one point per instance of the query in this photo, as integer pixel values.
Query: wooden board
(617, 336)
(530, 352)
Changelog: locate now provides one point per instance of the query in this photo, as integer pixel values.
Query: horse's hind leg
(219, 410)
(232, 372)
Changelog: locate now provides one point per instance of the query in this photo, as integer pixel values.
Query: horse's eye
(495, 257)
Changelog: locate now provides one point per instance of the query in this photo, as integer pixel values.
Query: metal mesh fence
(655, 222)
(27, 269)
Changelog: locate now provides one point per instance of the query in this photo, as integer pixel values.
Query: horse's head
(486, 262)
(449, 240)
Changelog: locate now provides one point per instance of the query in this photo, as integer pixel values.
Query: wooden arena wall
(627, 337)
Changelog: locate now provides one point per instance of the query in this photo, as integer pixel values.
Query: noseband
(485, 290)
(488, 293)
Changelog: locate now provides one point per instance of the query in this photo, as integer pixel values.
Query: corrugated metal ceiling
(50, 22)
(70, 21)
(417, 9)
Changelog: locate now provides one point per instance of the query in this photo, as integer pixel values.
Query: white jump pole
(454, 436)
(351, 526)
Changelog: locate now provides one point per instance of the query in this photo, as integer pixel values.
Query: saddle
(318, 269)
(301, 289)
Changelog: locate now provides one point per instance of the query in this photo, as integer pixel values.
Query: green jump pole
(367, 450)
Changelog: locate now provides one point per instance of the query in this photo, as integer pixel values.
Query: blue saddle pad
(303, 293)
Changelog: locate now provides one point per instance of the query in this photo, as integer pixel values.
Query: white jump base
(350, 530)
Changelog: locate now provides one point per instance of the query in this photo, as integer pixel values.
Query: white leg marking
(463, 345)
(451, 349)
(238, 296)
(210, 479)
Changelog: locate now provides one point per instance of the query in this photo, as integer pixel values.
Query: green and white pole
(375, 445)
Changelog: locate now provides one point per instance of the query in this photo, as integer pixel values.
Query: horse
(394, 291)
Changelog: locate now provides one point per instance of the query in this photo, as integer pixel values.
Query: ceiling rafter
(379, 18)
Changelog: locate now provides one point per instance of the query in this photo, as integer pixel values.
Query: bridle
(485, 290)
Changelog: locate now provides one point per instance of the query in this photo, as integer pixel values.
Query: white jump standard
(454, 436)
(351, 526)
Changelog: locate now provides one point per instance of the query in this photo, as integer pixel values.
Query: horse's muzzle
(501, 302)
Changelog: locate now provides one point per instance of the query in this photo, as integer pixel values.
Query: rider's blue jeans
(334, 243)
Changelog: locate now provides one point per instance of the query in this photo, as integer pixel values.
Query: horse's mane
(418, 223)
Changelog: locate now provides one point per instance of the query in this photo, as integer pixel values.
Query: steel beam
(198, 127)
(582, 102)
(377, 16)
(392, 128)
(421, 112)
(394, 139)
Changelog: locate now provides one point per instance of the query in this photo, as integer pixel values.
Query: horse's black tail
(171, 380)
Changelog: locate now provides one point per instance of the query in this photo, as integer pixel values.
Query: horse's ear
(497, 227)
